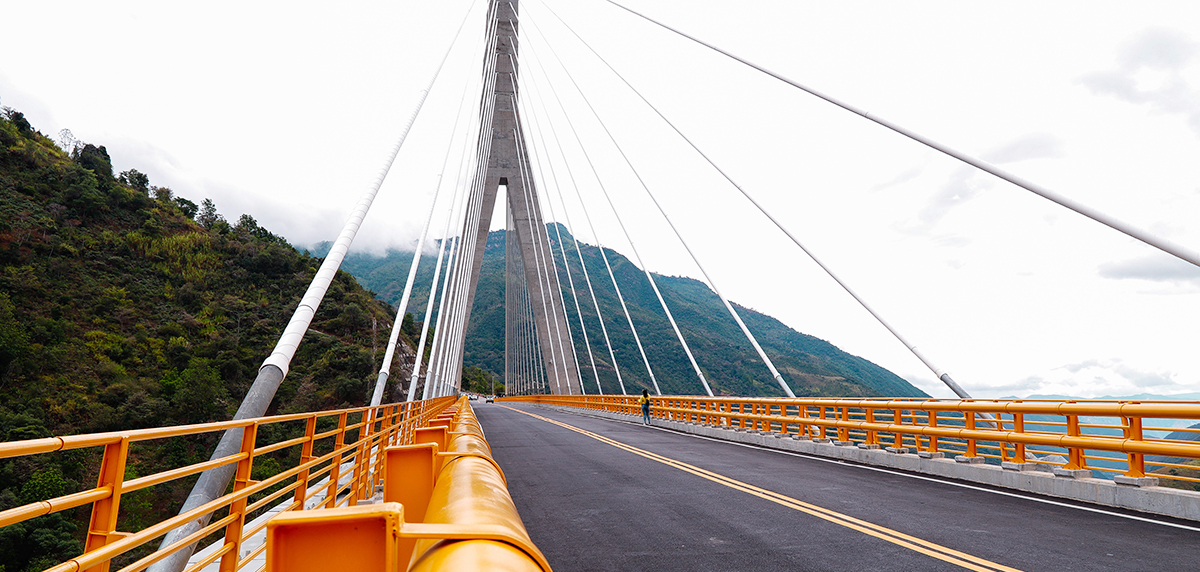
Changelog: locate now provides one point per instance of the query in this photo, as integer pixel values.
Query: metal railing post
(385, 438)
(872, 435)
(898, 419)
(933, 440)
(823, 412)
(1019, 427)
(335, 469)
(970, 420)
(306, 455)
(805, 428)
(362, 455)
(1137, 461)
(241, 479)
(1075, 459)
(843, 431)
(103, 524)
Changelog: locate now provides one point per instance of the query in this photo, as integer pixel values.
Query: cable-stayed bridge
(947, 463)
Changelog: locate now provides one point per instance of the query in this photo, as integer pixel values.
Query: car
(490, 399)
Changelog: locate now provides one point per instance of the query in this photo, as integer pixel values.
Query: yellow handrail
(1002, 429)
(445, 506)
(372, 430)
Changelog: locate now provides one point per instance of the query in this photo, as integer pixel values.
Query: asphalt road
(621, 496)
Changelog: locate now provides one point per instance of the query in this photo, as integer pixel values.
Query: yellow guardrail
(1108, 436)
(445, 506)
(355, 439)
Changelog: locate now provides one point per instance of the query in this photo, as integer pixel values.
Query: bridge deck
(651, 499)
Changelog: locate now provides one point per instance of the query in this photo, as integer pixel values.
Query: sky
(288, 112)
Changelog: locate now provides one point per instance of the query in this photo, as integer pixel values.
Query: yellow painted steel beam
(105, 542)
(459, 513)
(730, 410)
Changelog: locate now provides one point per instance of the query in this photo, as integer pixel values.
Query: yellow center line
(895, 537)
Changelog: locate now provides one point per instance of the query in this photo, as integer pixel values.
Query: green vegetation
(813, 367)
(476, 380)
(118, 311)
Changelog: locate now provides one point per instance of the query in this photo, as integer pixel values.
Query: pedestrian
(644, 400)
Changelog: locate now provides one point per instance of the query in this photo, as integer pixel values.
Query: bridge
(708, 482)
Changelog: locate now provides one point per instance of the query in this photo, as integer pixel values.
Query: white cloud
(963, 185)
(1027, 147)
(1093, 378)
(966, 182)
(900, 179)
(1155, 268)
(1153, 70)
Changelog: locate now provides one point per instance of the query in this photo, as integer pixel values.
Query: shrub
(96, 160)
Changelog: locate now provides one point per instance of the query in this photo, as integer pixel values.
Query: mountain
(123, 306)
(813, 367)
(1189, 468)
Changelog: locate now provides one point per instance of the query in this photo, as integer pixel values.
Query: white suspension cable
(620, 297)
(624, 308)
(401, 309)
(434, 349)
(941, 374)
(566, 264)
(543, 282)
(737, 318)
(455, 206)
(649, 277)
(586, 275)
(213, 482)
(449, 371)
(439, 355)
(513, 333)
(543, 236)
(539, 263)
(1158, 242)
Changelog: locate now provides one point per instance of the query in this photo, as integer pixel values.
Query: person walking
(644, 401)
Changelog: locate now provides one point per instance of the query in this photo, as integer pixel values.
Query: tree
(136, 180)
(17, 118)
(208, 214)
(477, 380)
(198, 393)
(96, 160)
(247, 225)
(81, 191)
(188, 208)
(67, 141)
(410, 326)
(13, 339)
(45, 484)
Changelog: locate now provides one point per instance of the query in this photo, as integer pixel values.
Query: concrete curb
(1150, 499)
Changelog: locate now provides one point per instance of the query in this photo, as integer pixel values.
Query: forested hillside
(813, 367)
(124, 306)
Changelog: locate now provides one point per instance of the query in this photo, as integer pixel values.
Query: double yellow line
(895, 537)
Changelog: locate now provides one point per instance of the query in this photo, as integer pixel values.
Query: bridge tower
(507, 165)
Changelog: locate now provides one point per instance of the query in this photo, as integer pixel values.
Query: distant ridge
(813, 367)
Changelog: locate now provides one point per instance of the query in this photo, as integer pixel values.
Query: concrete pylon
(529, 229)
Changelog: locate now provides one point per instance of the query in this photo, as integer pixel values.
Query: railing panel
(1111, 438)
(323, 440)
